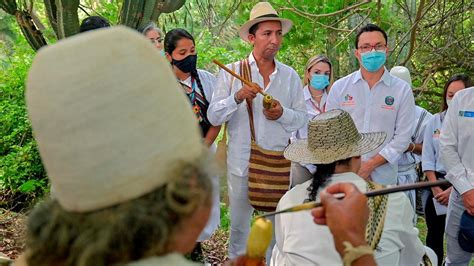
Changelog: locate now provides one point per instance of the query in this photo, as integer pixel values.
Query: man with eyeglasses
(377, 101)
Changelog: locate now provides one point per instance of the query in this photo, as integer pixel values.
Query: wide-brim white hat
(109, 117)
(263, 11)
(332, 136)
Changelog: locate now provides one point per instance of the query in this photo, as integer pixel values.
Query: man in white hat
(407, 173)
(272, 127)
(377, 101)
(122, 150)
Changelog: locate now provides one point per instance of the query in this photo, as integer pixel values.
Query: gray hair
(128, 231)
(151, 26)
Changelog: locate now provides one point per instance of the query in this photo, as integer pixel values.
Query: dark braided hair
(171, 40)
(322, 175)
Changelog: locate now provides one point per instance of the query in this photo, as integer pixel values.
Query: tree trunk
(8, 6)
(137, 13)
(68, 20)
(51, 13)
(32, 34)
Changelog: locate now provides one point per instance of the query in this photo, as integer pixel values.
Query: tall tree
(63, 16)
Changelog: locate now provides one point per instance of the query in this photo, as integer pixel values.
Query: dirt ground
(11, 233)
(12, 227)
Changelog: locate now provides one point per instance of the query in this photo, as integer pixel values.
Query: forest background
(433, 38)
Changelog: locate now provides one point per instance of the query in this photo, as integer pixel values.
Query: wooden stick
(248, 83)
(378, 192)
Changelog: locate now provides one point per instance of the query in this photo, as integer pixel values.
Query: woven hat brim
(298, 151)
(286, 25)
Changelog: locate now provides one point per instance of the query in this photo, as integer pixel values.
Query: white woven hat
(109, 118)
(402, 73)
(332, 136)
(263, 11)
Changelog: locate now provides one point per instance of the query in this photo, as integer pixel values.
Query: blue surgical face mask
(319, 81)
(373, 61)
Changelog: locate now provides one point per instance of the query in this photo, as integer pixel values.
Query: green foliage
(225, 217)
(21, 171)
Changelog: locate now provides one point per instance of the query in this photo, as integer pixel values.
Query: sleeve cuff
(230, 102)
(390, 155)
(457, 176)
(286, 117)
(428, 167)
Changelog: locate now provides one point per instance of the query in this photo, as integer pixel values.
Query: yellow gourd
(259, 238)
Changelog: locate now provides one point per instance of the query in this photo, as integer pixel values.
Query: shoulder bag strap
(418, 126)
(246, 74)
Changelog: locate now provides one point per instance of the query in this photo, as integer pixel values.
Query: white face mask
(448, 101)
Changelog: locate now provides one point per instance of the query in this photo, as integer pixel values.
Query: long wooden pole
(372, 193)
(237, 76)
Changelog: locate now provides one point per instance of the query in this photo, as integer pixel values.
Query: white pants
(240, 215)
(455, 255)
(408, 175)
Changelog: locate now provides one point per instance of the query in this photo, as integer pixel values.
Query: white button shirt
(410, 158)
(284, 85)
(299, 241)
(312, 111)
(431, 160)
(389, 107)
(457, 141)
(208, 81)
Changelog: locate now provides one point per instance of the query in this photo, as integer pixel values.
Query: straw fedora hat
(109, 118)
(263, 11)
(332, 136)
(402, 73)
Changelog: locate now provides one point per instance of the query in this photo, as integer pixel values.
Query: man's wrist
(237, 100)
(413, 146)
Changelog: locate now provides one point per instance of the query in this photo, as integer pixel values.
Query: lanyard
(317, 108)
(192, 93)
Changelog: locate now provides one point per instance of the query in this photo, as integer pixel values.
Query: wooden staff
(267, 98)
(372, 193)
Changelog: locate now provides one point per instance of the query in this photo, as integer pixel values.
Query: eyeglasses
(368, 47)
(157, 40)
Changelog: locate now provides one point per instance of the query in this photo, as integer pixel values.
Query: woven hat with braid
(332, 136)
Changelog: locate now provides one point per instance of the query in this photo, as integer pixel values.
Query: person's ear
(251, 39)
(357, 54)
(168, 56)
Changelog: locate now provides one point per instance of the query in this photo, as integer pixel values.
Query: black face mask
(187, 64)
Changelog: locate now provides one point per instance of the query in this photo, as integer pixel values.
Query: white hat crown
(109, 118)
(401, 72)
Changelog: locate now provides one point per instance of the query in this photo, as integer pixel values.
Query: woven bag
(269, 171)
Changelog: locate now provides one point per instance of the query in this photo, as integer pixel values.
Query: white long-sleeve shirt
(410, 158)
(389, 107)
(313, 109)
(284, 86)
(299, 241)
(457, 141)
(430, 159)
